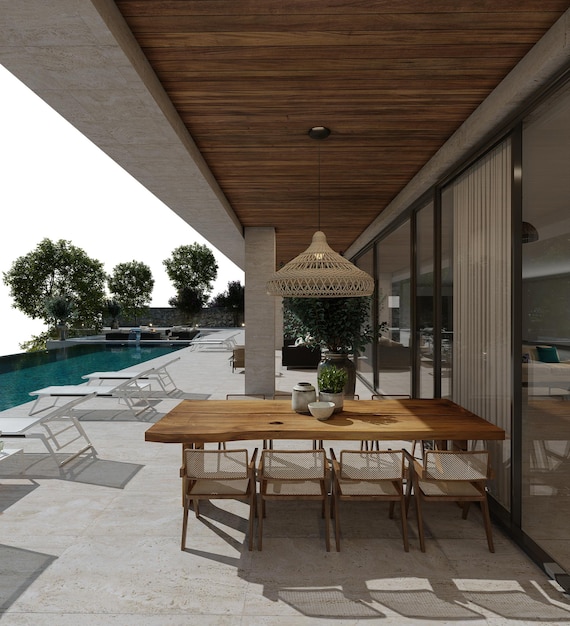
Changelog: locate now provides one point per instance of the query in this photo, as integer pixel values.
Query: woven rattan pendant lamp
(319, 271)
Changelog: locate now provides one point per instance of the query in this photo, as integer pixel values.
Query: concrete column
(259, 311)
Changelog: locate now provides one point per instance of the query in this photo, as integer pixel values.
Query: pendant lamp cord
(319, 184)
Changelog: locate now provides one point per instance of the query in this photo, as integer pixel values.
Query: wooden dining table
(207, 421)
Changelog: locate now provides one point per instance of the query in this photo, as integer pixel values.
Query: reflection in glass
(424, 301)
(546, 328)
(364, 362)
(394, 308)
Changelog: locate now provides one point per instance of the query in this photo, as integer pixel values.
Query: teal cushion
(547, 354)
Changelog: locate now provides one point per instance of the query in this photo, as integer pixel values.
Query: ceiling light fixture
(529, 233)
(319, 271)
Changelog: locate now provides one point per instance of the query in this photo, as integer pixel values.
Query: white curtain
(482, 294)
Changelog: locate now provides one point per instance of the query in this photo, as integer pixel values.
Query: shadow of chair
(370, 445)
(218, 474)
(293, 475)
(369, 476)
(451, 476)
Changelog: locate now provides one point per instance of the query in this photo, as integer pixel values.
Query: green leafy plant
(339, 325)
(332, 379)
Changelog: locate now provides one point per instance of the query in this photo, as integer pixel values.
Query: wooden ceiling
(391, 79)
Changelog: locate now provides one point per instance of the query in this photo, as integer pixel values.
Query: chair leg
(184, 526)
(404, 525)
(419, 517)
(336, 505)
(327, 524)
(409, 489)
(487, 522)
(252, 505)
(260, 523)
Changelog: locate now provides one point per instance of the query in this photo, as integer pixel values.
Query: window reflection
(545, 346)
(394, 309)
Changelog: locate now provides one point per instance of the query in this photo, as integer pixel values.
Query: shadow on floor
(372, 577)
(87, 469)
(20, 568)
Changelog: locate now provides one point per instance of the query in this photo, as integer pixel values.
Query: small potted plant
(331, 381)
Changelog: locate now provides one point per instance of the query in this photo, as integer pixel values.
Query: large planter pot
(341, 361)
(336, 398)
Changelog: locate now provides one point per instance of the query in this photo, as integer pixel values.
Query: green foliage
(59, 309)
(38, 343)
(58, 269)
(131, 286)
(340, 325)
(194, 267)
(113, 308)
(332, 379)
(233, 299)
(188, 301)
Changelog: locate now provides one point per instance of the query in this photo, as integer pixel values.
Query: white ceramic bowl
(321, 410)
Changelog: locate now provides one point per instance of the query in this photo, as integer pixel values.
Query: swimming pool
(22, 373)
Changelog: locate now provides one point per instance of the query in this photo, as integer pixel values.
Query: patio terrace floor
(98, 542)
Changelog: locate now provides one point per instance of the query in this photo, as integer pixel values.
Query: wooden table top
(203, 421)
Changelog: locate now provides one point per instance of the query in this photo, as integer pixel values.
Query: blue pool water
(22, 373)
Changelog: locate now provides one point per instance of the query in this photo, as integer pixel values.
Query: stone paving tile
(98, 542)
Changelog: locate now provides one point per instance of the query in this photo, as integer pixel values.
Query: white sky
(55, 183)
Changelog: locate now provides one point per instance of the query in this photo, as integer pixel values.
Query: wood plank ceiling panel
(391, 79)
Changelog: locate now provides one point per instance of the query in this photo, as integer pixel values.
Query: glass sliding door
(424, 344)
(365, 361)
(394, 313)
(446, 297)
(545, 345)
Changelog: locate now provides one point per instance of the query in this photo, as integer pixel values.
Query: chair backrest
(239, 357)
(456, 465)
(372, 465)
(293, 464)
(216, 464)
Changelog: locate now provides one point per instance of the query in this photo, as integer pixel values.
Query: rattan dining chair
(451, 476)
(293, 475)
(218, 474)
(368, 476)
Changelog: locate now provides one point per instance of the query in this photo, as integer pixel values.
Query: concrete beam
(80, 57)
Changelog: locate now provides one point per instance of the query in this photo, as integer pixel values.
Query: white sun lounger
(159, 373)
(55, 423)
(227, 343)
(132, 391)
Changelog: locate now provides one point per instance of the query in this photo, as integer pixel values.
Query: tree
(340, 325)
(59, 308)
(131, 285)
(113, 309)
(233, 300)
(189, 301)
(58, 269)
(194, 267)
